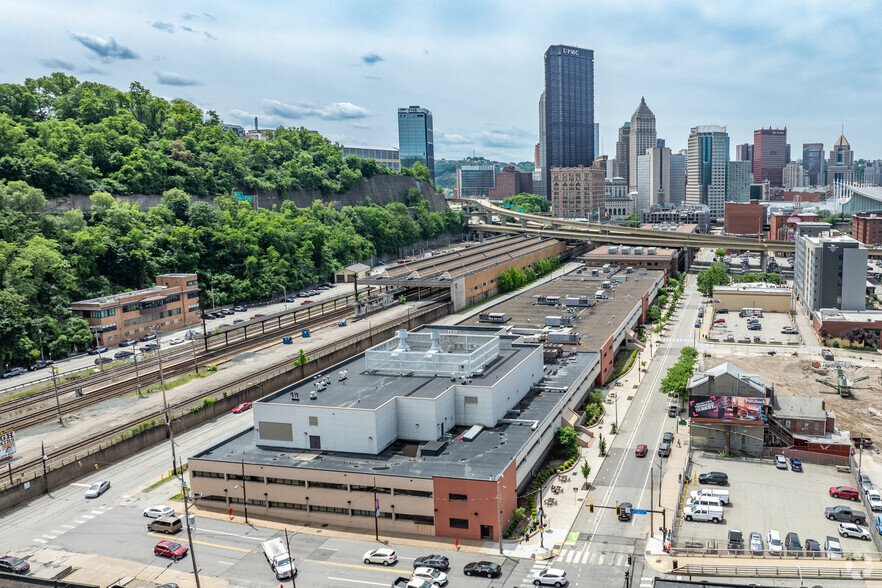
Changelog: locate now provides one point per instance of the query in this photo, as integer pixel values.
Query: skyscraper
(596, 140)
(415, 140)
(769, 155)
(539, 184)
(813, 162)
(738, 181)
(653, 177)
(678, 179)
(840, 166)
(744, 152)
(643, 137)
(623, 152)
(569, 108)
(707, 167)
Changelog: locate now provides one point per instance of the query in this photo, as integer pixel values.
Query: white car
(384, 556)
(852, 530)
(175, 341)
(155, 512)
(875, 500)
(550, 577)
(431, 575)
(832, 547)
(98, 488)
(780, 462)
(774, 540)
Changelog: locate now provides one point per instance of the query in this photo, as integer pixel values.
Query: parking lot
(735, 329)
(764, 498)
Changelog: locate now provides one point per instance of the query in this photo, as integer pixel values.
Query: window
(417, 493)
(198, 474)
(250, 501)
(458, 497)
(356, 488)
(459, 523)
(172, 298)
(291, 505)
(286, 481)
(418, 519)
(254, 479)
(313, 421)
(370, 513)
(193, 294)
(471, 400)
(192, 282)
(333, 509)
(328, 485)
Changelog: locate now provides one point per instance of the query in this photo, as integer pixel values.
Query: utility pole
(45, 471)
(189, 532)
(193, 348)
(651, 500)
(98, 347)
(40, 331)
(168, 420)
(137, 376)
(290, 559)
(57, 401)
(157, 329)
(376, 512)
(244, 493)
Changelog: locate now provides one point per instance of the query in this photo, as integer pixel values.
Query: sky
(343, 68)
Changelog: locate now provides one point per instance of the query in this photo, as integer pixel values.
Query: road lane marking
(226, 563)
(98, 512)
(231, 534)
(85, 516)
(358, 581)
(40, 540)
(51, 536)
(397, 572)
(68, 527)
(164, 536)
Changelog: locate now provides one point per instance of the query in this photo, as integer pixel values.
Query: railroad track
(37, 464)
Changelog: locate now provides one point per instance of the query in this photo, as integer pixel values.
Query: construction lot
(764, 498)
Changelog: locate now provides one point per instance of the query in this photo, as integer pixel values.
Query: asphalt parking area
(735, 330)
(764, 498)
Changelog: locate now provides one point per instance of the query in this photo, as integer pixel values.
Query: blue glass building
(415, 142)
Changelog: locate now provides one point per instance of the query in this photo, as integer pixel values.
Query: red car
(305, 302)
(242, 407)
(170, 549)
(844, 492)
(719, 321)
(641, 451)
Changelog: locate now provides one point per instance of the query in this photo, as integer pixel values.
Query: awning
(153, 298)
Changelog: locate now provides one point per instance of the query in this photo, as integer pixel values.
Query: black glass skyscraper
(569, 108)
(415, 140)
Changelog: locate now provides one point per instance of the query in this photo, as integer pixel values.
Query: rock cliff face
(380, 189)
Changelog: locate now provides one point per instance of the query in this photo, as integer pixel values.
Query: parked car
(719, 321)
(795, 464)
(718, 478)
(98, 488)
(226, 312)
(641, 451)
(698, 324)
(833, 548)
(176, 341)
(664, 450)
(382, 555)
(12, 372)
(852, 530)
(703, 513)
(431, 575)
(625, 511)
(97, 350)
(483, 568)
(150, 347)
(736, 541)
(668, 437)
(812, 548)
(170, 549)
(154, 512)
(866, 483)
(730, 338)
(102, 360)
(128, 343)
(774, 541)
(40, 364)
(844, 492)
(242, 407)
(148, 337)
(305, 302)
(240, 308)
(780, 462)
(14, 565)
(846, 514)
(875, 500)
(438, 562)
(237, 321)
(792, 544)
(302, 295)
(550, 577)
(123, 354)
(756, 544)
(672, 411)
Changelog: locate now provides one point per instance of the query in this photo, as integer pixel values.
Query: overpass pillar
(503, 219)
(523, 223)
(489, 219)
(690, 255)
(764, 255)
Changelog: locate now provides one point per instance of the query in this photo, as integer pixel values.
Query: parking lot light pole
(137, 376)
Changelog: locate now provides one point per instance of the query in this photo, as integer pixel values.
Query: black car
(40, 364)
(101, 360)
(16, 565)
(97, 350)
(812, 548)
(240, 308)
(483, 568)
(127, 343)
(718, 478)
(123, 354)
(736, 541)
(625, 510)
(151, 347)
(792, 544)
(437, 562)
(148, 337)
(16, 371)
(668, 437)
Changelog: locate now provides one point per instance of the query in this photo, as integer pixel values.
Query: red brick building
(866, 227)
(510, 183)
(782, 225)
(744, 218)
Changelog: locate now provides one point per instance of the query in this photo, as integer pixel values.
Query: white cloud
(335, 111)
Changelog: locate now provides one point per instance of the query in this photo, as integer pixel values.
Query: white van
(703, 513)
(705, 501)
(723, 495)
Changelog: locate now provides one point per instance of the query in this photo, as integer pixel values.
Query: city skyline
(343, 69)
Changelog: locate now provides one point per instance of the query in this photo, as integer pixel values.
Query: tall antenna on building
(255, 123)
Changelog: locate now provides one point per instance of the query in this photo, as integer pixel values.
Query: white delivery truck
(277, 555)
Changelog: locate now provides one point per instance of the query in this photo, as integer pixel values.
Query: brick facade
(866, 227)
(744, 219)
(511, 183)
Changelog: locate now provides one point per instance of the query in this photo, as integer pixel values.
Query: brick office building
(782, 225)
(744, 219)
(510, 182)
(173, 304)
(866, 227)
(578, 192)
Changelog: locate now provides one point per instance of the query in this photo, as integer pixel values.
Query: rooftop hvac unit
(472, 433)
(613, 249)
(651, 251)
(626, 250)
(638, 251)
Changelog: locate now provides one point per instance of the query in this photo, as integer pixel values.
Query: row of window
(99, 313)
(326, 485)
(149, 318)
(356, 512)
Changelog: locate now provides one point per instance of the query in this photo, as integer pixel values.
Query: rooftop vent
(402, 340)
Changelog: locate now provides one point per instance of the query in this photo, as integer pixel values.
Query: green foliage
(566, 440)
(602, 447)
(654, 314)
(771, 278)
(301, 359)
(715, 275)
(618, 373)
(720, 253)
(677, 377)
(529, 202)
(586, 471)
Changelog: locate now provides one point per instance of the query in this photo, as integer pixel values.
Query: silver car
(98, 488)
(756, 543)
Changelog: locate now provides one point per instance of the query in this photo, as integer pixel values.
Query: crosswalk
(62, 529)
(580, 554)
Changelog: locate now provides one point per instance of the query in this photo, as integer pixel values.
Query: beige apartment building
(578, 192)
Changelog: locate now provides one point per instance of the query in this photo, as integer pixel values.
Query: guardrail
(854, 573)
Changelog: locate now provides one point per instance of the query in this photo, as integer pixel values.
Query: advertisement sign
(7, 444)
(728, 408)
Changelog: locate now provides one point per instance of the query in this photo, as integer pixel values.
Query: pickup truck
(405, 582)
(277, 555)
(845, 513)
(703, 513)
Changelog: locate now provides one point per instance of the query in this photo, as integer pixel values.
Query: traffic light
(591, 508)
(629, 560)
(618, 510)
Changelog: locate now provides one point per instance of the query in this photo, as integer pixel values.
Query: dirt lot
(794, 376)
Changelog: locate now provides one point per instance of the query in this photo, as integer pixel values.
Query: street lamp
(40, 331)
(135, 359)
(171, 433)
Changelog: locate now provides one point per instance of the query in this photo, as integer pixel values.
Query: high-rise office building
(744, 152)
(659, 142)
(873, 173)
(415, 138)
(643, 137)
(738, 181)
(678, 178)
(569, 108)
(813, 163)
(706, 167)
(794, 176)
(653, 177)
(596, 140)
(840, 166)
(623, 151)
(769, 155)
(540, 186)
(475, 181)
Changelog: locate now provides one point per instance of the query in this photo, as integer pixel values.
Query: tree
(528, 202)
(586, 471)
(602, 447)
(720, 253)
(654, 314)
(675, 382)
(566, 439)
(824, 333)
(715, 275)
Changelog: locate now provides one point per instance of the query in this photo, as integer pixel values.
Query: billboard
(744, 409)
(7, 444)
